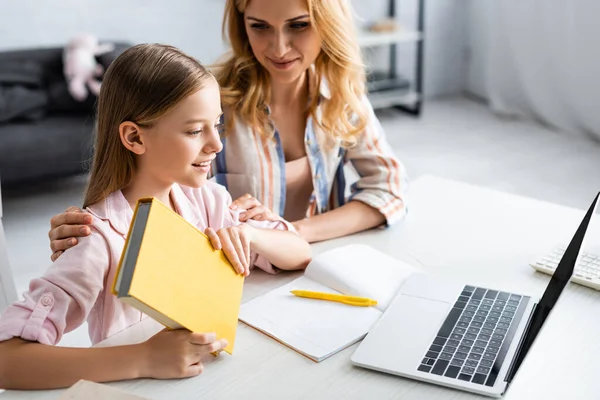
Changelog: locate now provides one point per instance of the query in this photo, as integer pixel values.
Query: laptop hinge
(510, 374)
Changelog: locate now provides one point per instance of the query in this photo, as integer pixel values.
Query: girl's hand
(65, 228)
(177, 353)
(254, 209)
(235, 242)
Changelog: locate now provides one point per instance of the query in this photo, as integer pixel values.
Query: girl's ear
(131, 137)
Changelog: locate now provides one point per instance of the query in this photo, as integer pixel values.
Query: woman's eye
(299, 25)
(194, 133)
(259, 26)
(220, 128)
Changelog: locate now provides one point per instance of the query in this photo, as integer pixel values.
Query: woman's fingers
(73, 217)
(253, 209)
(62, 244)
(65, 236)
(55, 255)
(68, 231)
(253, 213)
(244, 202)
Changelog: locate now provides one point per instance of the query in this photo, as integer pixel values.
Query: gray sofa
(44, 133)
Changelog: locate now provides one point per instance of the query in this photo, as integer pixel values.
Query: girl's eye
(220, 128)
(299, 25)
(195, 133)
(259, 26)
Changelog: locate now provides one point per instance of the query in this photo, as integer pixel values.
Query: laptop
(462, 336)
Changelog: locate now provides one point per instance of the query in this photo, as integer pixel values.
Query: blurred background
(501, 94)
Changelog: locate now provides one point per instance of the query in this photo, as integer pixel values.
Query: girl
(158, 122)
(293, 91)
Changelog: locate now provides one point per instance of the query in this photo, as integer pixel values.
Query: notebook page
(360, 270)
(315, 328)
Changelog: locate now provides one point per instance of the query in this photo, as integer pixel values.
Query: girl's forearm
(26, 365)
(352, 217)
(285, 250)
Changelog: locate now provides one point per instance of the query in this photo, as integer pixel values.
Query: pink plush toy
(80, 67)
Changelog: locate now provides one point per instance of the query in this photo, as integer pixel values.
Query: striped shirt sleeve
(382, 182)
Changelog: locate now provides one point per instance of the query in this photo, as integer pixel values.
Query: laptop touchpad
(433, 287)
(402, 336)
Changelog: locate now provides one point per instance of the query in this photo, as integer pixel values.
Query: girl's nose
(213, 144)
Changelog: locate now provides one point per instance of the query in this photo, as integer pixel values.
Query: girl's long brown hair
(141, 85)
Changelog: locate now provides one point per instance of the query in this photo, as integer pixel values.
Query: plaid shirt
(251, 164)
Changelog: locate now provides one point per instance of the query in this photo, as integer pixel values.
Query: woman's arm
(350, 218)
(379, 195)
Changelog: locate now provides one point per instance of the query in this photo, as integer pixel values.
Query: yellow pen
(340, 298)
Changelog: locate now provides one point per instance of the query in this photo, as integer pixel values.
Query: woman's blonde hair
(141, 85)
(245, 86)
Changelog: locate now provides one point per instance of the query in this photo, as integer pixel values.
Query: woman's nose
(280, 44)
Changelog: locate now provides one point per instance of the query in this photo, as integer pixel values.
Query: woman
(293, 93)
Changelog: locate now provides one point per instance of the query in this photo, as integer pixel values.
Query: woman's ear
(131, 137)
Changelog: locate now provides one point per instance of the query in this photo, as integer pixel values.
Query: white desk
(452, 229)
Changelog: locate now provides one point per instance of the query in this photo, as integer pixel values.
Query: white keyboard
(587, 270)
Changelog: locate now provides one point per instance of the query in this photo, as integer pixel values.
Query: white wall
(195, 27)
(192, 25)
(478, 19)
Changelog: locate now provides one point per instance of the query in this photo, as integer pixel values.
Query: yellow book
(170, 271)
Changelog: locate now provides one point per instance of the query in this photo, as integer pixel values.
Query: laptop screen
(559, 279)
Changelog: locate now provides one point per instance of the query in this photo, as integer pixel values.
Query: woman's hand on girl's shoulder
(65, 228)
(254, 209)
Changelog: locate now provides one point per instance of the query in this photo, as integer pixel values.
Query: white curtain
(541, 59)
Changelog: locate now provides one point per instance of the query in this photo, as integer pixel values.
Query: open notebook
(319, 328)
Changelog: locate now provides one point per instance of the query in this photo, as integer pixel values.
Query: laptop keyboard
(474, 339)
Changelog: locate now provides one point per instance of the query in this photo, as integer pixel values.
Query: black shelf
(387, 88)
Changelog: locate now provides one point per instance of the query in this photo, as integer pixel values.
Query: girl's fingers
(214, 238)
(246, 244)
(231, 252)
(213, 347)
(236, 240)
(194, 370)
(199, 338)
